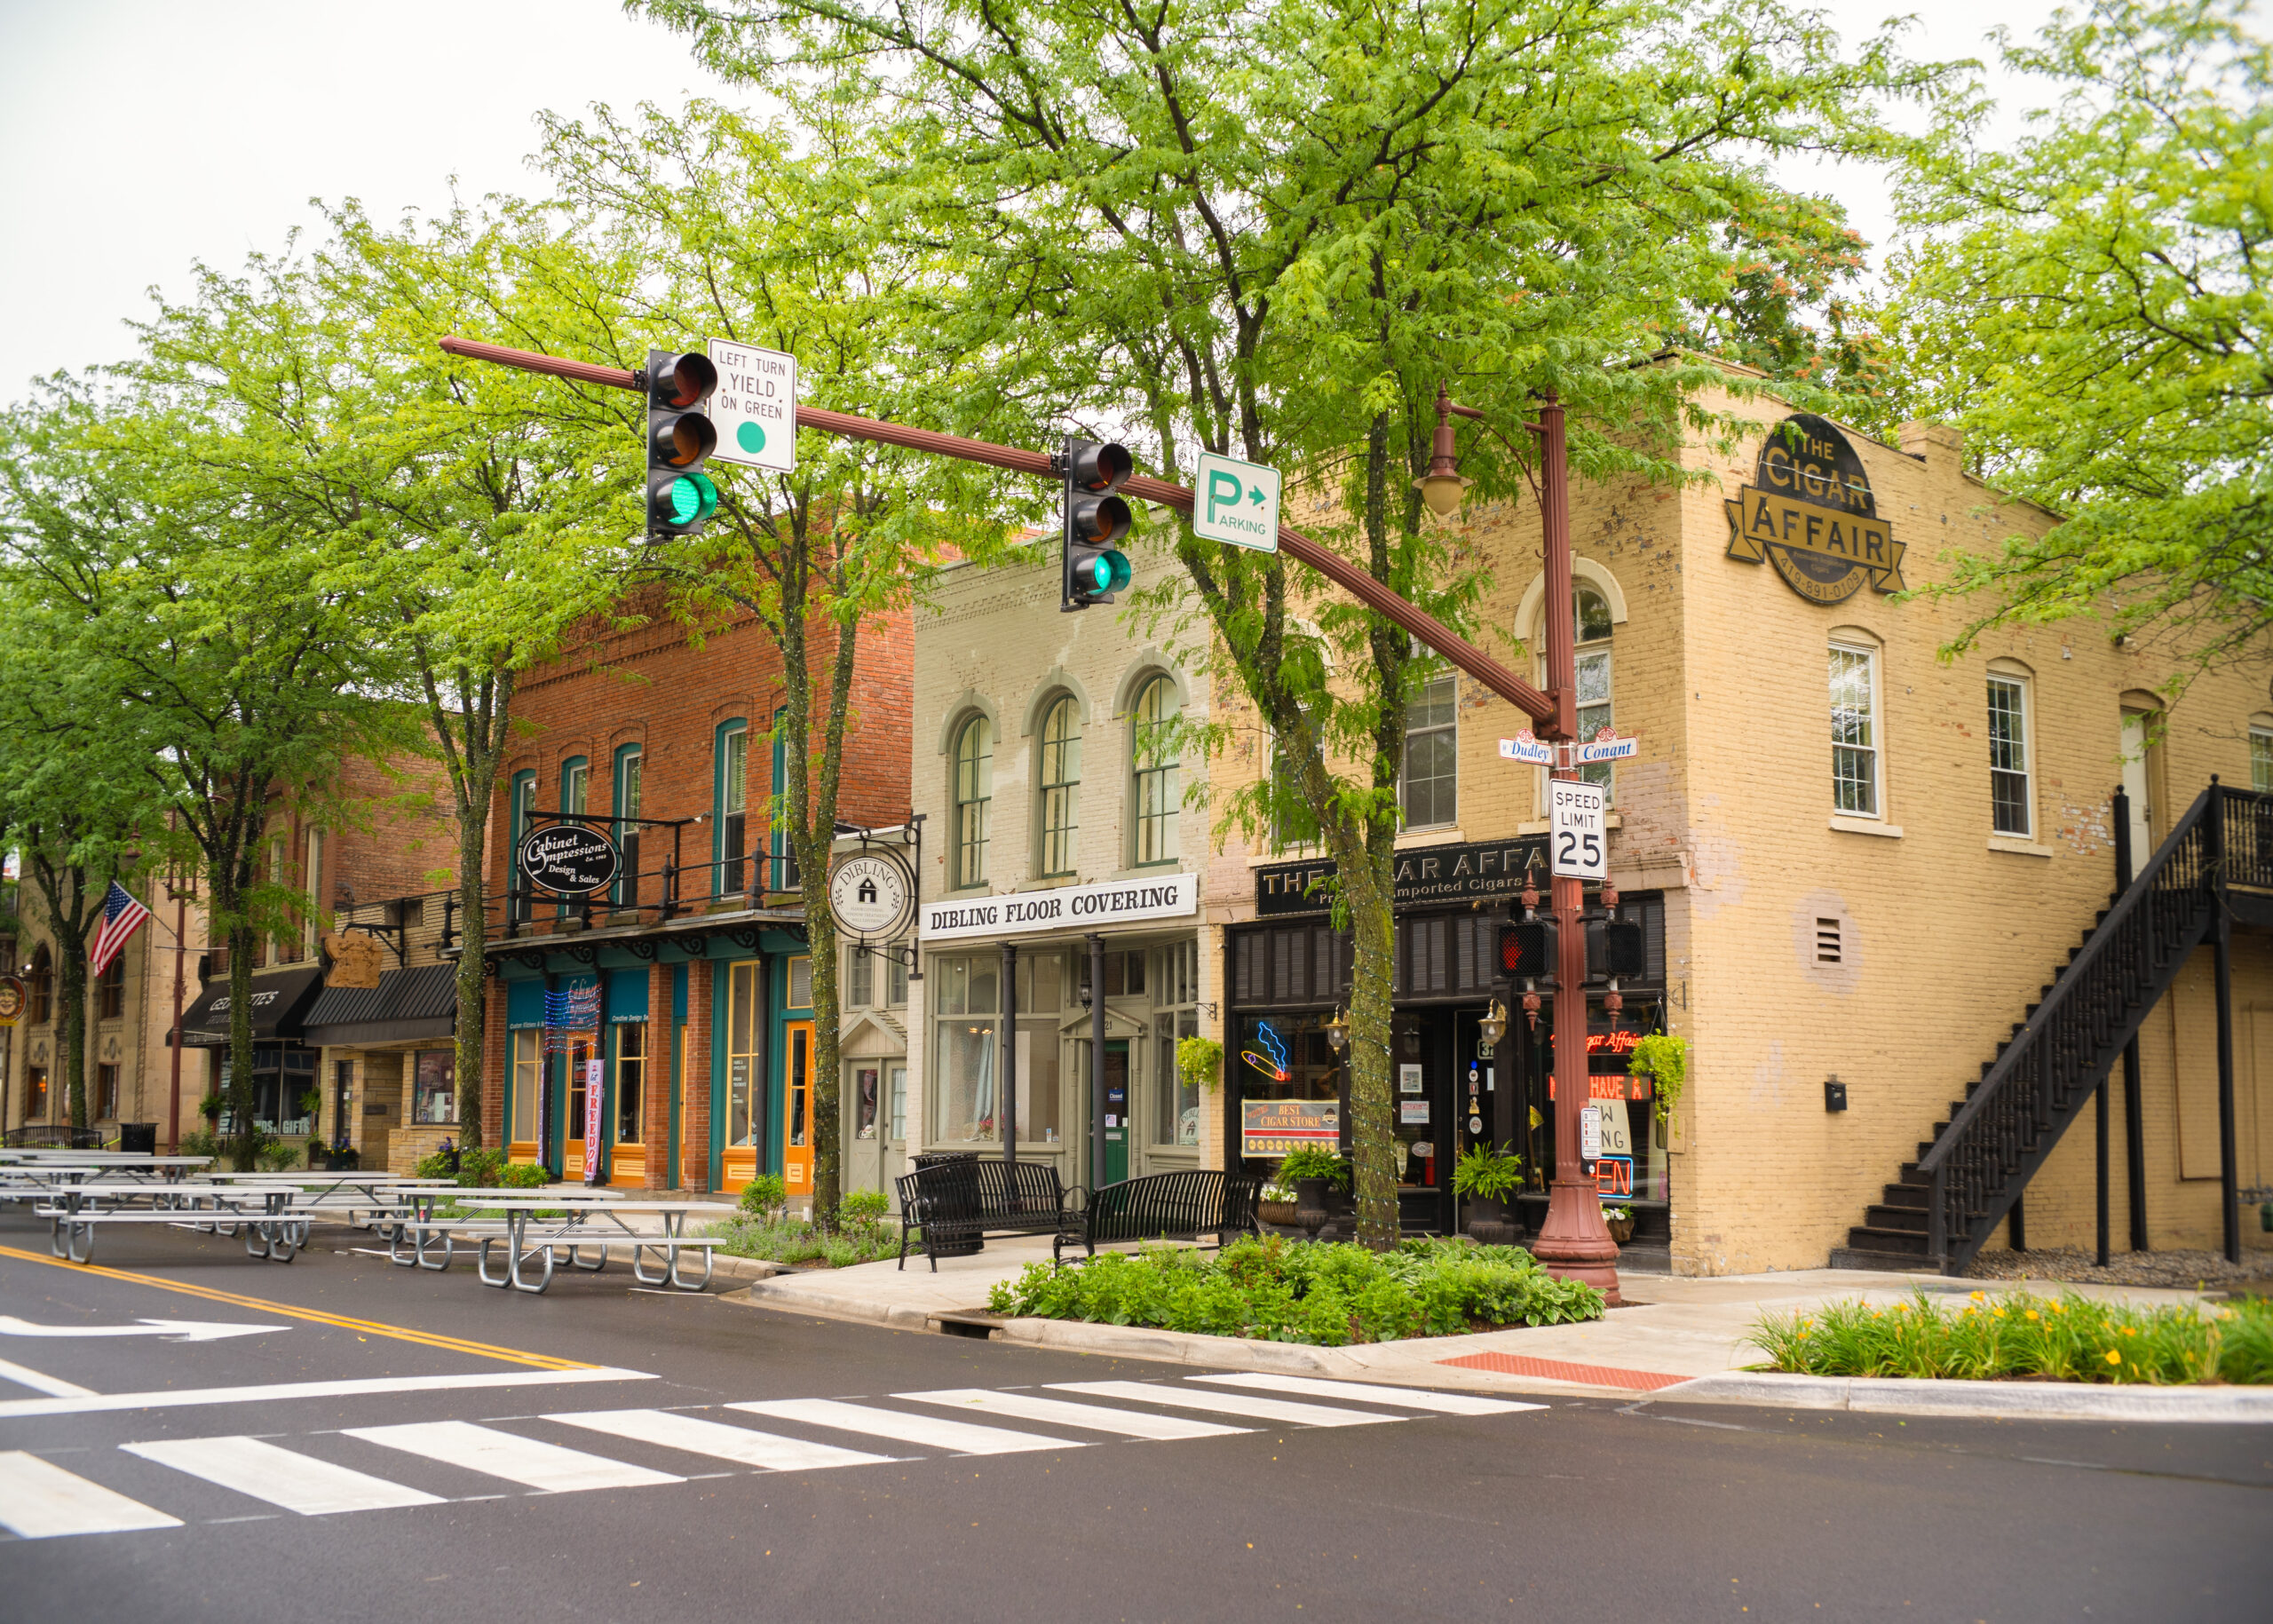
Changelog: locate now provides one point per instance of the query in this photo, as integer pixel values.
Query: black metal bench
(953, 1202)
(1164, 1206)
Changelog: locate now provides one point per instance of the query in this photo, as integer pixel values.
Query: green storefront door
(1116, 1110)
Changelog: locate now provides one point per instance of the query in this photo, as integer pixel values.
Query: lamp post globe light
(1574, 1242)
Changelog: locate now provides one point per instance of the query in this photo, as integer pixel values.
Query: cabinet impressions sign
(571, 860)
(1069, 907)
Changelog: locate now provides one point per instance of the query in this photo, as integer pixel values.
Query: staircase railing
(1981, 1160)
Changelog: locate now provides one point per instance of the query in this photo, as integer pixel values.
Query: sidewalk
(1672, 1331)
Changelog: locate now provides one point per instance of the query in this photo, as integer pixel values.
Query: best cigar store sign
(1811, 513)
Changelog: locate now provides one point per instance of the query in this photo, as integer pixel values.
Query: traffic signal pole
(1457, 650)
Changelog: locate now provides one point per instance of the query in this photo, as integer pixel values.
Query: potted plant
(1620, 1220)
(1663, 1060)
(1276, 1205)
(1486, 1179)
(1313, 1172)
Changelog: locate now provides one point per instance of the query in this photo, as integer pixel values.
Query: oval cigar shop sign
(1811, 513)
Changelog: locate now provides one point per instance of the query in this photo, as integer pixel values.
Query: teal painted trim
(627, 995)
(679, 1081)
(777, 839)
(777, 1058)
(718, 798)
(718, 986)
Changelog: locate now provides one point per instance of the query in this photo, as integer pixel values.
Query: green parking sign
(1236, 503)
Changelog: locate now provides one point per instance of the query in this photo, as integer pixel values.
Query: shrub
(1310, 1163)
(436, 1166)
(1486, 1174)
(200, 1142)
(523, 1175)
(2069, 1338)
(478, 1169)
(867, 1208)
(764, 1195)
(792, 1241)
(275, 1156)
(1300, 1291)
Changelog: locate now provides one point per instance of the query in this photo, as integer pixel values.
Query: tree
(2092, 306)
(1278, 250)
(757, 243)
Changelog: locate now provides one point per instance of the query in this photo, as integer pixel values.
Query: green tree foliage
(1271, 229)
(2092, 307)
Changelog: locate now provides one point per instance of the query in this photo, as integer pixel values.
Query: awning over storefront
(406, 1006)
(280, 1003)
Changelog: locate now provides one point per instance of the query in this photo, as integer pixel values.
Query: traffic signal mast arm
(1541, 707)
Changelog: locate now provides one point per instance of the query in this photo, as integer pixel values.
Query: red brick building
(670, 1012)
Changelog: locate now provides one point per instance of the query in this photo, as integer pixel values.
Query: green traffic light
(685, 500)
(706, 496)
(1116, 571)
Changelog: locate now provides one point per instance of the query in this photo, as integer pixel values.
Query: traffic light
(680, 496)
(1095, 568)
(1614, 949)
(1527, 949)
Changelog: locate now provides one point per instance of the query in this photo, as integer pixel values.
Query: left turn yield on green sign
(755, 407)
(1236, 503)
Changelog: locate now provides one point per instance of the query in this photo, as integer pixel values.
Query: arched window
(523, 814)
(1060, 785)
(974, 789)
(1590, 630)
(40, 988)
(1153, 751)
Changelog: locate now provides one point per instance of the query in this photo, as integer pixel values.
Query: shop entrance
(1443, 1090)
(797, 1129)
(1116, 1110)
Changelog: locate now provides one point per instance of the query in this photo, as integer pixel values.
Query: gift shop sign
(1809, 512)
(1067, 908)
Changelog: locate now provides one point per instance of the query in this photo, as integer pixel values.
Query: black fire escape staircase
(1970, 1176)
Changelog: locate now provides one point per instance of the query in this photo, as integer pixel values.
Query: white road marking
(172, 1330)
(1367, 1392)
(1033, 1407)
(1229, 1404)
(17, 1409)
(39, 1501)
(960, 1436)
(54, 1387)
(524, 1461)
(715, 1439)
(296, 1482)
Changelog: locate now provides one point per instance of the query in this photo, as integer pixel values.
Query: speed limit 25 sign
(1578, 839)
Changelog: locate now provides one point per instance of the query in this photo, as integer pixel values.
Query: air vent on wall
(1826, 941)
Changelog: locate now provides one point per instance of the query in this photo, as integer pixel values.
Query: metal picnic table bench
(533, 1225)
(275, 1227)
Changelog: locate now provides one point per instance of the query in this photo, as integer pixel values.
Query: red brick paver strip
(1562, 1370)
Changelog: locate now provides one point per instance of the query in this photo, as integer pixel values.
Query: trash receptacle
(138, 1139)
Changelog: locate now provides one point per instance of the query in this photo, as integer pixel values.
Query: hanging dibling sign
(1811, 513)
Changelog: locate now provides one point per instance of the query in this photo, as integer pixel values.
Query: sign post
(755, 406)
(1236, 503)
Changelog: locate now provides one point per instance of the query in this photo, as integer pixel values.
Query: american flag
(122, 916)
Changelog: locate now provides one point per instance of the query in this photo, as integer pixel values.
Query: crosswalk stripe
(1033, 1407)
(39, 1501)
(524, 1461)
(280, 1477)
(960, 1436)
(742, 1445)
(1370, 1392)
(1228, 1404)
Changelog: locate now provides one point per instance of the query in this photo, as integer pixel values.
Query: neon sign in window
(1275, 1066)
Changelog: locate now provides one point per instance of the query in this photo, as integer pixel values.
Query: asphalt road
(404, 1445)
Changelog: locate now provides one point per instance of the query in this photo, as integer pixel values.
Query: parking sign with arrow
(1236, 502)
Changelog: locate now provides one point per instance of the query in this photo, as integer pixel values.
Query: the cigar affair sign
(1811, 513)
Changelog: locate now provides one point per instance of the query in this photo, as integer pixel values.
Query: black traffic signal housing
(680, 436)
(1614, 949)
(1096, 520)
(1527, 950)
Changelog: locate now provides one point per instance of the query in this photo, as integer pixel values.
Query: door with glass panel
(745, 1097)
(797, 1109)
(628, 1161)
(573, 1146)
(526, 1091)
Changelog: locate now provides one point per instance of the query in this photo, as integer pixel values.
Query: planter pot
(1621, 1229)
(1311, 1210)
(1280, 1214)
(1491, 1221)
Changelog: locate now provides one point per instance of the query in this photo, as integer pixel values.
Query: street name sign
(755, 407)
(1603, 747)
(1578, 843)
(1236, 503)
(1524, 748)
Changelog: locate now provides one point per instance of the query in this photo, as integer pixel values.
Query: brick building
(672, 1009)
(1857, 865)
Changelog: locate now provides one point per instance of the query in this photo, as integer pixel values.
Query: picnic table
(37, 1165)
(275, 1227)
(542, 1225)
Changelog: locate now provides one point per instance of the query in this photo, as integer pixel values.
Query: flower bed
(2019, 1336)
(1328, 1294)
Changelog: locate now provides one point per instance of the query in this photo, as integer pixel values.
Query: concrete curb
(1981, 1400)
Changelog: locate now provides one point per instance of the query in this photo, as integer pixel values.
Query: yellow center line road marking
(366, 1328)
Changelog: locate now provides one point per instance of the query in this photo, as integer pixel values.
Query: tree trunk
(474, 1024)
(75, 1027)
(1373, 1135)
(244, 1144)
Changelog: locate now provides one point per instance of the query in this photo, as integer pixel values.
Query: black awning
(280, 999)
(407, 1005)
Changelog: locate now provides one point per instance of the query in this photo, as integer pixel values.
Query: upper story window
(40, 989)
(732, 793)
(1854, 730)
(1429, 784)
(784, 851)
(283, 949)
(313, 879)
(2010, 801)
(974, 794)
(111, 990)
(860, 978)
(575, 784)
(628, 764)
(1153, 750)
(1591, 625)
(1061, 785)
(524, 814)
(2261, 757)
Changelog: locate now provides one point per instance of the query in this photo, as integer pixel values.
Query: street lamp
(1573, 1242)
(1493, 1026)
(1337, 1033)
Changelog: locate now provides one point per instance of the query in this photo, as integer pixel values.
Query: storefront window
(434, 1098)
(898, 1104)
(528, 1082)
(283, 1078)
(970, 1039)
(630, 1079)
(742, 1036)
(1290, 1085)
(1175, 993)
(580, 1054)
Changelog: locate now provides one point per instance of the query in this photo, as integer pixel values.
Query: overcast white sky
(138, 136)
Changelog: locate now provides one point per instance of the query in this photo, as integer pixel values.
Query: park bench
(950, 1204)
(1164, 1206)
(544, 1226)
